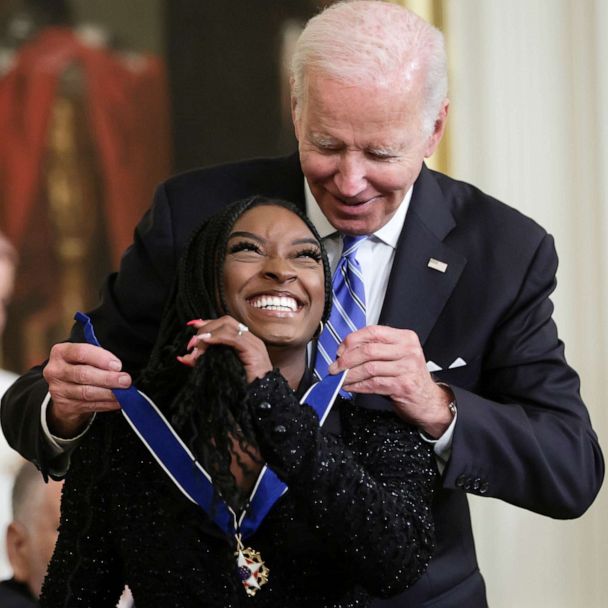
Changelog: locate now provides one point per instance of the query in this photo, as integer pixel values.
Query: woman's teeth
(283, 303)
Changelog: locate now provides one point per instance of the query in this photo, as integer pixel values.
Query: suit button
(476, 483)
(483, 488)
(467, 484)
(460, 481)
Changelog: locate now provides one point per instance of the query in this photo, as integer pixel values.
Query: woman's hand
(227, 330)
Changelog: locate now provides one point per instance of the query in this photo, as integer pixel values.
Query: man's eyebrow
(245, 234)
(385, 150)
(322, 139)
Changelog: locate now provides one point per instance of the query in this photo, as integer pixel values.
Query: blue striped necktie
(348, 306)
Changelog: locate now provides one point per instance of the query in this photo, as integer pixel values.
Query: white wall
(529, 90)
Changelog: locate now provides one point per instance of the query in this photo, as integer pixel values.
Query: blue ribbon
(181, 466)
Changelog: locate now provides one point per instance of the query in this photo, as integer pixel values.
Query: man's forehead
(329, 102)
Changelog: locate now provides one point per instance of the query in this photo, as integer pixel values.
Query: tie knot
(351, 243)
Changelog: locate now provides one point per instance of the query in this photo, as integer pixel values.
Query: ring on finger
(241, 329)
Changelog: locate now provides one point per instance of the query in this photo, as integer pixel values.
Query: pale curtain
(529, 91)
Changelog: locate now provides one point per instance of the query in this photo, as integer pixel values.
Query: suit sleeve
(526, 438)
(371, 501)
(126, 322)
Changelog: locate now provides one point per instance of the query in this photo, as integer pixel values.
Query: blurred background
(102, 99)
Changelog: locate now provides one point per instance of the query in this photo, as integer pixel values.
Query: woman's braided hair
(206, 404)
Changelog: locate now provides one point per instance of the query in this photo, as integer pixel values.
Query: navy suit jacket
(523, 434)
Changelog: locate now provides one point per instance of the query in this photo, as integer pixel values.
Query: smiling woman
(335, 499)
(274, 277)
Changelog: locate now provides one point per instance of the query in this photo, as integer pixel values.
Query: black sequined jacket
(355, 521)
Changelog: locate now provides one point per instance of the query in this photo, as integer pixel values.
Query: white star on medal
(252, 570)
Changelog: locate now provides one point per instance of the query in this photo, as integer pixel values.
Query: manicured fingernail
(194, 322)
(115, 365)
(124, 380)
(183, 361)
(192, 343)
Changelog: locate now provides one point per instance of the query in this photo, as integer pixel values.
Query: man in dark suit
(460, 340)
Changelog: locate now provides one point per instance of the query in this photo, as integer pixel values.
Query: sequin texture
(355, 522)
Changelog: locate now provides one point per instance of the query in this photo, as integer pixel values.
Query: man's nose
(279, 269)
(350, 177)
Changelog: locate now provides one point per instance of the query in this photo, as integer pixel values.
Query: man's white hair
(372, 43)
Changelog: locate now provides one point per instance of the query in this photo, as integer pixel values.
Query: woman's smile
(273, 276)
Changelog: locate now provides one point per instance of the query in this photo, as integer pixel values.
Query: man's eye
(327, 148)
(381, 156)
(244, 246)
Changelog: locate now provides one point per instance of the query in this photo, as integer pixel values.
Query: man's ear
(17, 540)
(294, 111)
(438, 130)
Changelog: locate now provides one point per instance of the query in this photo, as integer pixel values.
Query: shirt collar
(388, 234)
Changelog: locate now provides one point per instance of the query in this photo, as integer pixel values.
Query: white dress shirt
(375, 256)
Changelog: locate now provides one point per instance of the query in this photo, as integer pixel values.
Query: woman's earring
(320, 331)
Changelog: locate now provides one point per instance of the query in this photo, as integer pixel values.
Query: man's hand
(387, 361)
(80, 377)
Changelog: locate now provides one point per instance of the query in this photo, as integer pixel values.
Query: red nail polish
(184, 362)
(194, 322)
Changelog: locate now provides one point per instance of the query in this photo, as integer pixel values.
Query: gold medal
(251, 569)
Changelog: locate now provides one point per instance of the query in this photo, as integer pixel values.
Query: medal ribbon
(181, 466)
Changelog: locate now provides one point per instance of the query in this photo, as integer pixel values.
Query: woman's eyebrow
(245, 234)
(259, 239)
(307, 241)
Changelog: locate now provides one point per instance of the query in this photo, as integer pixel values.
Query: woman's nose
(279, 269)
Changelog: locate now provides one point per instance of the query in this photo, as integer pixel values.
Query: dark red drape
(127, 106)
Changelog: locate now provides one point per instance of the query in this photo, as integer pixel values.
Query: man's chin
(353, 219)
(354, 225)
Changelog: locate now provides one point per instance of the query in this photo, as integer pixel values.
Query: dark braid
(206, 404)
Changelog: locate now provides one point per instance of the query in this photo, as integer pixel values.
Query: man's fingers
(61, 409)
(373, 351)
(373, 386)
(379, 369)
(83, 393)
(85, 375)
(84, 364)
(92, 377)
(380, 334)
(101, 406)
(76, 399)
(84, 354)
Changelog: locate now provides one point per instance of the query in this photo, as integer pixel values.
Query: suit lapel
(417, 294)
